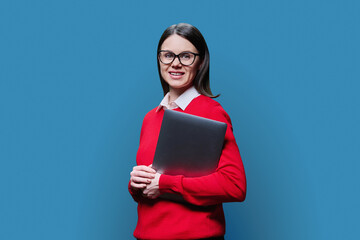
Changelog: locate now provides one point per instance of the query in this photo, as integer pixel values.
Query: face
(178, 76)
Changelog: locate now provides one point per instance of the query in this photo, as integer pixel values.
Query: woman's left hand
(152, 189)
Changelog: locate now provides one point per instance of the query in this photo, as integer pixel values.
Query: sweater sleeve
(136, 194)
(226, 184)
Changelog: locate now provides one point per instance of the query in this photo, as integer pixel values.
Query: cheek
(192, 73)
(163, 70)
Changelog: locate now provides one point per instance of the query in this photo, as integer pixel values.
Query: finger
(139, 186)
(151, 166)
(147, 190)
(153, 195)
(140, 180)
(142, 174)
(144, 168)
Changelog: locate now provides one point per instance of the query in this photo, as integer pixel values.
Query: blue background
(77, 77)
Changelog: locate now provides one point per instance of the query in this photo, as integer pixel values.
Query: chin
(177, 85)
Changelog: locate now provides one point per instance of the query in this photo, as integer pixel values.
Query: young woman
(183, 65)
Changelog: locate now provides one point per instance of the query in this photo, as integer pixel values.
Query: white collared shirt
(182, 101)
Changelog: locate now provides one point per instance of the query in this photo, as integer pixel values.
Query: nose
(176, 63)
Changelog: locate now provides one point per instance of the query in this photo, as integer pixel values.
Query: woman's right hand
(140, 176)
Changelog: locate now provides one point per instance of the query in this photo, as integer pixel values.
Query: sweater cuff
(170, 184)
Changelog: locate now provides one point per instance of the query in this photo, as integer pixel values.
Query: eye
(168, 55)
(185, 56)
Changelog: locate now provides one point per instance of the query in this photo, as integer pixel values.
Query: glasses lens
(166, 57)
(187, 58)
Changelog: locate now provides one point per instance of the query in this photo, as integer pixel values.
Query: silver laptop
(188, 145)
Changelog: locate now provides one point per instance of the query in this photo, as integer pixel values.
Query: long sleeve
(137, 194)
(226, 184)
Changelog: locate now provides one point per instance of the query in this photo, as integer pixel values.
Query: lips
(176, 73)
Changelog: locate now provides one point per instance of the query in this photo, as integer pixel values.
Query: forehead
(177, 44)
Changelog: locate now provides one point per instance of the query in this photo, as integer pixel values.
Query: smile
(177, 73)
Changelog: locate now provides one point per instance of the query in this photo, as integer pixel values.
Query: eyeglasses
(185, 58)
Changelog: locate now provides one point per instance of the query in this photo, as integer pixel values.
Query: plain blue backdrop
(77, 78)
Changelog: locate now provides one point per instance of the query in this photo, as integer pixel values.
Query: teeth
(176, 74)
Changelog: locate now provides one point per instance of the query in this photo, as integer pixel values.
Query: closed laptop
(188, 145)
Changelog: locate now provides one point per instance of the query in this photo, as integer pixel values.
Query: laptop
(188, 145)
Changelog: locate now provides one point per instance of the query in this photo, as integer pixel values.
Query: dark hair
(201, 81)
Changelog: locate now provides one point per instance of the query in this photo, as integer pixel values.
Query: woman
(183, 65)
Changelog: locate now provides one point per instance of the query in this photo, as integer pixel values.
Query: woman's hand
(152, 189)
(141, 176)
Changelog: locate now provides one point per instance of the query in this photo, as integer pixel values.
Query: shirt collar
(182, 101)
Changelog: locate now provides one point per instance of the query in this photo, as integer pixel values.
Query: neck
(176, 92)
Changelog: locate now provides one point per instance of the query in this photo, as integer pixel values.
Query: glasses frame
(177, 56)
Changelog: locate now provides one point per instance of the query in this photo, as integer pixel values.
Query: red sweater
(203, 215)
